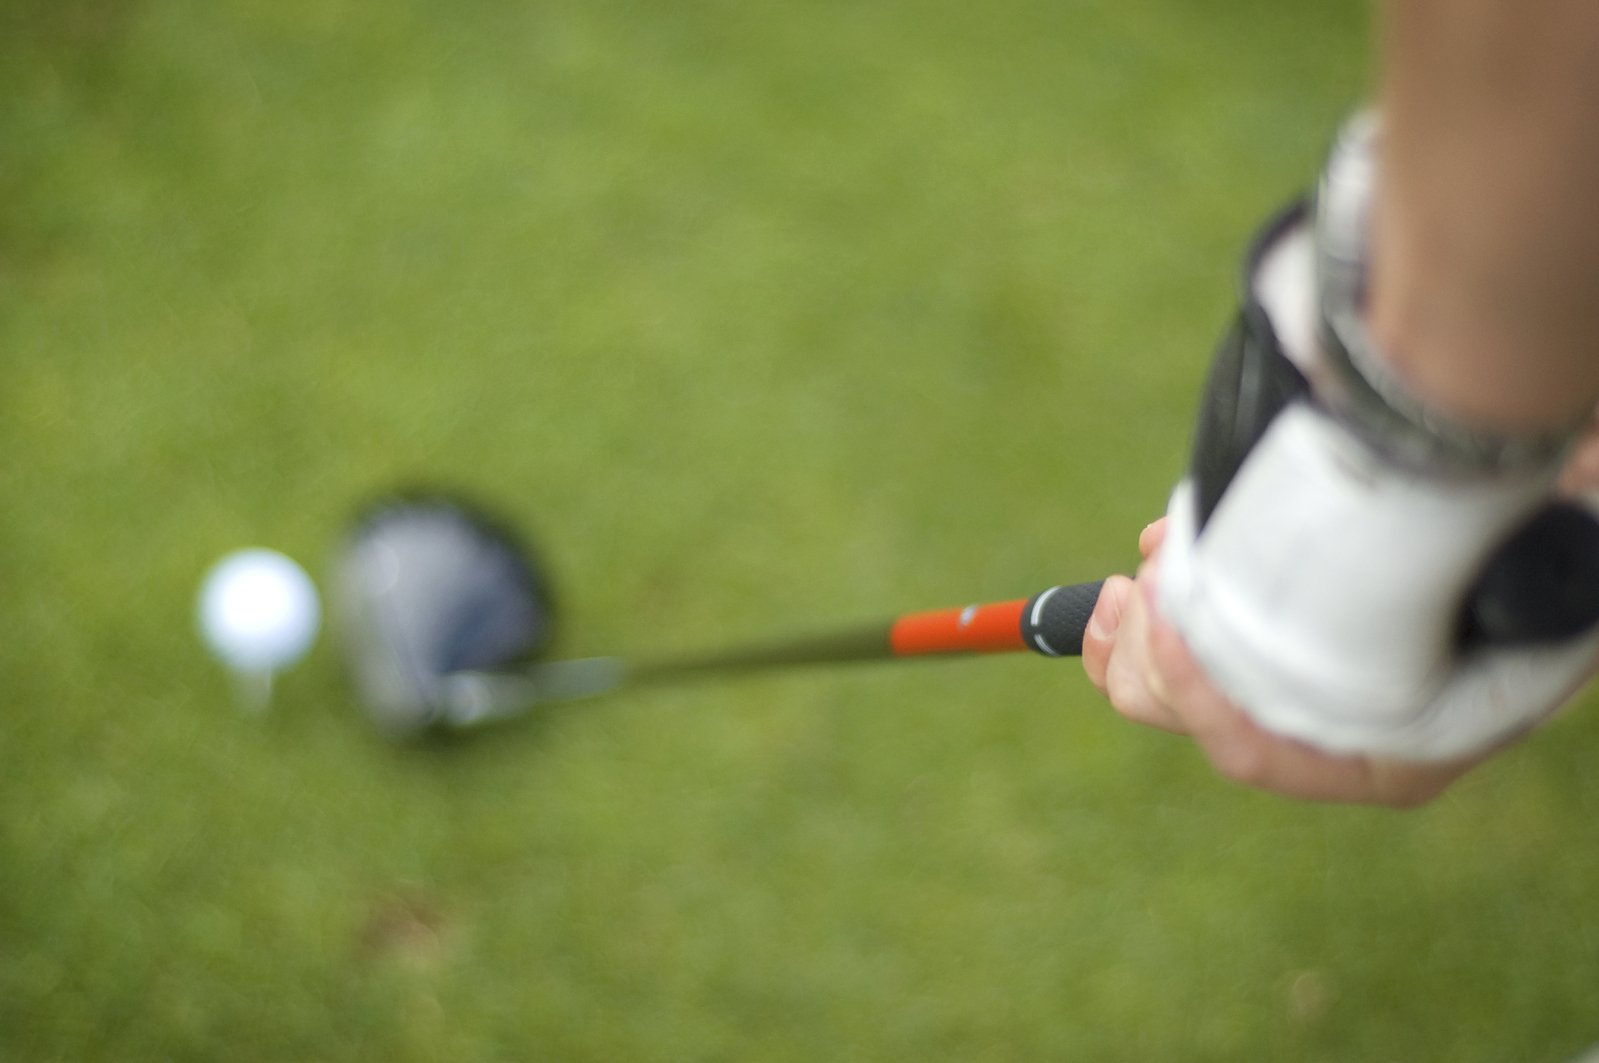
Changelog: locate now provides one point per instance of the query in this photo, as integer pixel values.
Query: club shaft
(1051, 623)
(865, 644)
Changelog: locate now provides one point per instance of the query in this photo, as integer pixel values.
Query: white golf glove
(1323, 553)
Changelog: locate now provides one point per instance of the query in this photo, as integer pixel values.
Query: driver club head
(425, 587)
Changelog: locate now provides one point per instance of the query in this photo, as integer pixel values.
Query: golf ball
(258, 611)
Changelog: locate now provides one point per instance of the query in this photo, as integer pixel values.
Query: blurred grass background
(760, 317)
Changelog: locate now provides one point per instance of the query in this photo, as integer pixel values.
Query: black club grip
(1053, 621)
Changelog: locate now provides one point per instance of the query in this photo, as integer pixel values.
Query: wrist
(1430, 413)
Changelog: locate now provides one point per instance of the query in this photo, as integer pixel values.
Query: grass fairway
(759, 316)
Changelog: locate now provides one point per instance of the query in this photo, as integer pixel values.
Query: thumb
(1099, 638)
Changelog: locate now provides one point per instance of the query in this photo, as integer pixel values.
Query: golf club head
(425, 587)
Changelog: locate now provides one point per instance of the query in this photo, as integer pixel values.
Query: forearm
(1485, 276)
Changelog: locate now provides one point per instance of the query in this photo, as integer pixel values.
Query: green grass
(760, 317)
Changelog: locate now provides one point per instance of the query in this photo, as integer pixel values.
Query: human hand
(1140, 664)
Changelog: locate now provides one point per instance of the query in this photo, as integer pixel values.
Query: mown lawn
(759, 317)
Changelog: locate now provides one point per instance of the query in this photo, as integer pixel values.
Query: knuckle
(1131, 698)
(1126, 696)
(1242, 757)
(1170, 657)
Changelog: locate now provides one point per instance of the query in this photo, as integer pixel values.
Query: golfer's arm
(1485, 277)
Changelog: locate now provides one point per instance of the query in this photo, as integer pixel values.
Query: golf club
(443, 613)
(1050, 623)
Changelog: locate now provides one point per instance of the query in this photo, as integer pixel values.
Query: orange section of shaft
(990, 628)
